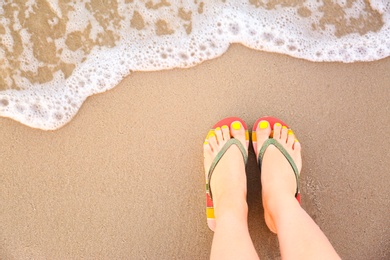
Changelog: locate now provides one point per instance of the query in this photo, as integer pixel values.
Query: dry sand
(125, 180)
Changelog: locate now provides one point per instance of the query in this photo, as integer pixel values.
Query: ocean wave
(54, 54)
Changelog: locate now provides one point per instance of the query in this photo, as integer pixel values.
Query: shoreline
(128, 167)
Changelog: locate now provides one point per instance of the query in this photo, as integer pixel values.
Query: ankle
(231, 206)
(279, 204)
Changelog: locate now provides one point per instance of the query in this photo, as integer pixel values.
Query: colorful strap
(272, 141)
(229, 143)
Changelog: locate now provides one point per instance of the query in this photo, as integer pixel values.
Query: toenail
(225, 126)
(205, 143)
(284, 127)
(218, 128)
(236, 125)
(290, 132)
(277, 124)
(263, 124)
(211, 134)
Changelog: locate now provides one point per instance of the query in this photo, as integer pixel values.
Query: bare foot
(228, 182)
(228, 189)
(277, 176)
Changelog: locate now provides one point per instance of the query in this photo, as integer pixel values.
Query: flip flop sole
(209, 202)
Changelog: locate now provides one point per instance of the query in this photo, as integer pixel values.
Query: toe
(290, 138)
(225, 132)
(283, 134)
(297, 146)
(263, 132)
(238, 132)
(219, 135)
(277, 131)
(212, 140)
(207, 155)
(236, 126)
(206, 147)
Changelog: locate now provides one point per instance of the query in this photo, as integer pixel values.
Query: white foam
(382, 6)
(51, 105)
(29, 4)
(55, 7)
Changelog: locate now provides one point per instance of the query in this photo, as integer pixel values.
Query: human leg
(228, 183)
(299, 236)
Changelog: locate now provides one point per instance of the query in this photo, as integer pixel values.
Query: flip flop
(209, 201)
(271, 141)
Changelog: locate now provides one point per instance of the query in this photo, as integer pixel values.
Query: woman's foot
(228, 181)
(228, 188)
(298, 235)
(277, 176)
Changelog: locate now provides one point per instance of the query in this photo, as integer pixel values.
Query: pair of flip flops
(227, 122)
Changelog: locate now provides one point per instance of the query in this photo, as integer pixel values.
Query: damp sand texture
(115, 184)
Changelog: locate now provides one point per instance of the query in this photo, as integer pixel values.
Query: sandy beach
(125, 180)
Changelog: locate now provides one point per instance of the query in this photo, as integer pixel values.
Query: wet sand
(124, 179)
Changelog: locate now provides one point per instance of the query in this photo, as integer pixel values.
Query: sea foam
(54, 54)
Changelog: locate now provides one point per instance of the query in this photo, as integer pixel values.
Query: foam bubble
(381, 6)
(83, 47)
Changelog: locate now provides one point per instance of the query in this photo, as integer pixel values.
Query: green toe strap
(229, 143)
(272, 141)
